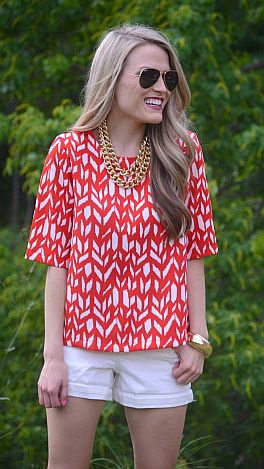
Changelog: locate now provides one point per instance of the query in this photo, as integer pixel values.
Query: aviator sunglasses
(149, 76)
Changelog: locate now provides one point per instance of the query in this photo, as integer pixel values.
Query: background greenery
(46, 47)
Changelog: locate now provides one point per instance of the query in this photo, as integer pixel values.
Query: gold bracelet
(200, 343)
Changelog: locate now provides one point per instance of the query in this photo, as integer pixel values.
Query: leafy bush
(220, 46)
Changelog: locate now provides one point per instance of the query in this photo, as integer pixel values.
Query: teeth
(155, 102)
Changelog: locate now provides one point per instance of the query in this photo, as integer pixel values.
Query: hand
(190, 366)
(53, 383)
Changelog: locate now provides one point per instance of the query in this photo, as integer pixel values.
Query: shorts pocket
(173, 353)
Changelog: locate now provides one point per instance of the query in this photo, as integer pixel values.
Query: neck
(126, 135)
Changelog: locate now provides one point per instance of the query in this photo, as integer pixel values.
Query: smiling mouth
(154, 103)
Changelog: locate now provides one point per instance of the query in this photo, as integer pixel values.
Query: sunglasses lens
(148, 77)
(171, 79)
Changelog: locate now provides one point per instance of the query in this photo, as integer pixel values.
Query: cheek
(167, 100)
(128, 96)
(122, 96)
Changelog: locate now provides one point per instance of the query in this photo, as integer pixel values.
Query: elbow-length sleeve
(201, 239)
(50, 235)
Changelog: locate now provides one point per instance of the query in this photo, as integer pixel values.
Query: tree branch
(256, 66)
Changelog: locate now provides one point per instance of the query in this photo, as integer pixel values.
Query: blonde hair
(169, 168)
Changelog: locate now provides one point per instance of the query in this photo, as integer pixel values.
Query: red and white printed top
(126, 287)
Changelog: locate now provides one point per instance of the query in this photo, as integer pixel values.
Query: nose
(160, 85)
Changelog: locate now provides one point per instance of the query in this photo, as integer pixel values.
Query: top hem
(124, 348)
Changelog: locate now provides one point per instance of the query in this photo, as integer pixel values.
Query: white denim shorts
(141, 379)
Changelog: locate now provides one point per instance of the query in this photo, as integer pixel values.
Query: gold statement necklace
(138, 169)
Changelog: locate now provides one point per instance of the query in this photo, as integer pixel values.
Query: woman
(123, 219)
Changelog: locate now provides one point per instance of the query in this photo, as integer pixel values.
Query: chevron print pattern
(126, 286)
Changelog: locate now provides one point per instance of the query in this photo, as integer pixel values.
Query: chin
(155, 120)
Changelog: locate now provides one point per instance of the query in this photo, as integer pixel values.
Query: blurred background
(46, 48)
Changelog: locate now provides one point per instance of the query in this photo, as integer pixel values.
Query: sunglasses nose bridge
(161, 81)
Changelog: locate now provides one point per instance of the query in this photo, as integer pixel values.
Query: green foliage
(220, 45)
(21, 334)
(30, 137)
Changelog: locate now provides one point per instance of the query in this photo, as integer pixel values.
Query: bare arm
(197, 297)
(53, 380)
(190, 367)
(55, 294)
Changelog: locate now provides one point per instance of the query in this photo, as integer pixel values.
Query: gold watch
(200, 343)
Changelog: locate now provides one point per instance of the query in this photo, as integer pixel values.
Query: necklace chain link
(137, 170)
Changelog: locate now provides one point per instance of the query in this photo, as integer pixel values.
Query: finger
(40, 396)
(197, 376)
(185, 378)
(46, 397)
(179, 369)
(64, 393)
(188, 377)
(54, 398)
(183, 372)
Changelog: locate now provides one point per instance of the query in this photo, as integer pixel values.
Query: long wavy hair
(169, 167)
